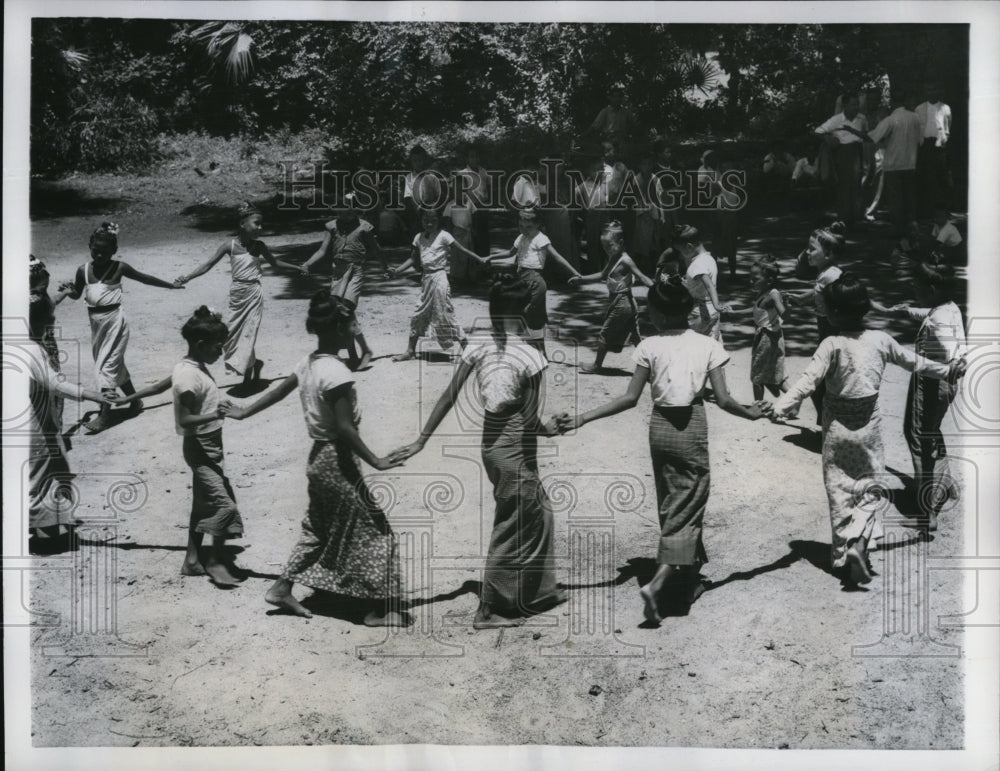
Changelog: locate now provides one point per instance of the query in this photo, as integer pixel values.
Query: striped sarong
(246, 310)
(213, 504)
(927, 401)
(767, 358)
(520, 565)
(678, 446)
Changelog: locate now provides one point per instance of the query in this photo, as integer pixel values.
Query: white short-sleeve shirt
(502, 372)
(434, 251)
(318, 374)
(947, 234)
(190, 376)
(531, 253)
(678, 365)
(702, 265)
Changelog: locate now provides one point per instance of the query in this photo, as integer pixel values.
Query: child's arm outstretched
(911, 361)
(343, 413)
(469, 253)
(273, 396)
(273, 261)
(374, 252)
(713, 295)
(411, 261)
(144, 278)
(509, 254)
(626, 401)
(629, 263)
(724, 399)
(441, 409)
(186, 416)
(206, 266)
(318, 254)
(74, 289)
(789, 402)
(157, 388)
(551, 250)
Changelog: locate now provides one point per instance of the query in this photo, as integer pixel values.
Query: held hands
(229, 409)
(759, 409)
(566, 422)
(575, 280)
(391, 460)
(957, 370)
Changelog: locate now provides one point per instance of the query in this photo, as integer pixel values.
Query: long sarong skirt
(213, 505)
(347, 546)
(109, 338)
(246, 310)
(520, 566)
(678, 445)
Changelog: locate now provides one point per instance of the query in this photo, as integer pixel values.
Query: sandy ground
(766, 658)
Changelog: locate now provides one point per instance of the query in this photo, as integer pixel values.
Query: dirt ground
(766, 658)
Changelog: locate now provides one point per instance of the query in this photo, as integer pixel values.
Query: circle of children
(347, 546)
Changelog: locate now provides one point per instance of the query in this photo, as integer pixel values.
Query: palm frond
(702, 74)
(74, 60)
(229, 47)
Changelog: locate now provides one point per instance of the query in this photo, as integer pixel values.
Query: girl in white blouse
(851, 364)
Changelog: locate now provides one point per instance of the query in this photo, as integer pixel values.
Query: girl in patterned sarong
(431, 251)
(246, 296)
(347, 546)
(851, 363)
(99, 282)
(350, 241)
(519, 578)
(620, 320)
(676, 363)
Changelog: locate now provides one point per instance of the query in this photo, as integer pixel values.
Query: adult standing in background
(846, 130)
(900, 134)
(932, 165)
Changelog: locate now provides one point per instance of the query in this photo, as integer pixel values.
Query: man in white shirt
(847, 129)
(900, 134)
(932, 169)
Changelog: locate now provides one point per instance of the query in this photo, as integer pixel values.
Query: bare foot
(220, 575)
(486, 619)
(404, 356)
(392, 618)
(192, 569)
(366, 361)
(857, 567)
(98, 424)
(257, 367)
(650, 611)
(287, 601)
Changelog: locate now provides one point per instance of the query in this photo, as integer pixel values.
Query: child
(100, 284)
(767, 358)
(941, 338)
(676, 363)
(431, 250)
(700, 275)
(823, 253)
(520, 567)
(41, 318)
(246, 297)
(347, 546)
(198, 414)
(50, 505)
(851, 362)
(349, 241)
(946, 236)
(530, 250)
(622, 314)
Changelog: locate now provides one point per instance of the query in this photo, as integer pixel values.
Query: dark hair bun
(669, 296)
(204, 324)
(327, 312)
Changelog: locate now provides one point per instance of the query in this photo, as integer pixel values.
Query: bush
(116, 134)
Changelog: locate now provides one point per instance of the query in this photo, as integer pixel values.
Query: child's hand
(565, 422)
(754, 412)
(390, 461)
(957, 370)
(115, 400)
(575, 280)
(727, 308)
(765, 407)
(550, 427)
(227, 409)
(304, 269)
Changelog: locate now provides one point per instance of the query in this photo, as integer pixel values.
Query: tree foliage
(103, 88)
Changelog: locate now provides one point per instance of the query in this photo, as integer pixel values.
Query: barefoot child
(767, 358)
(851, 362)
(621, 317)
(198, 414)
(528, 255)
(431, 251)
(246, 296)
(99, 282)
(941, 338)
(346, 546)
(520, 566)
(349, 241)
(676, 363)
